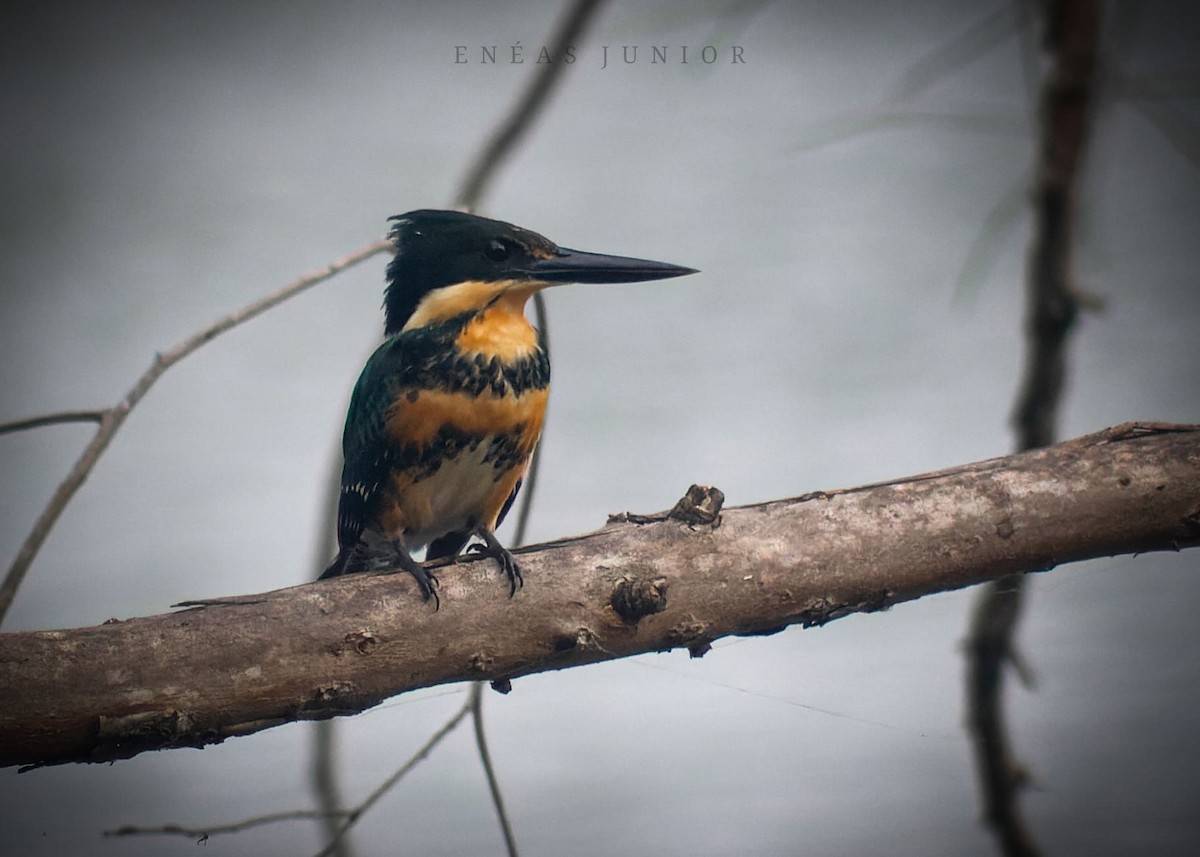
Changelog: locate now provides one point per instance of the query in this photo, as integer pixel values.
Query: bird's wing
(368, 454)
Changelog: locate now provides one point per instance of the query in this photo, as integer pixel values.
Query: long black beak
(575, 266)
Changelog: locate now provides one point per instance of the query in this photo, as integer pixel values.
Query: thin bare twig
(113, 418)
(355, 814)
(531, 103)
(1000, 219)
(1173, 126)
(987, 31)
(899, 109)
(324, 770)
(60, 418)
(347, 817)
(493, 785)
(202, 834)
(327, 788)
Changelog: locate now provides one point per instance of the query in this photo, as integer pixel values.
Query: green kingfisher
(447, 412)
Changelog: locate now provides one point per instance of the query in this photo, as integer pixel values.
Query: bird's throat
(501, 330)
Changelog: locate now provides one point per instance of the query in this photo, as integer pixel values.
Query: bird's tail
(450, 545)
(338, 567)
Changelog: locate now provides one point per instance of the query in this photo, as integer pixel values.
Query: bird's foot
(508, 563)
(426, 581)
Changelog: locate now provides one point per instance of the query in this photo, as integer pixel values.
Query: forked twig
(355, 814)
(114, 417)
(348, 817)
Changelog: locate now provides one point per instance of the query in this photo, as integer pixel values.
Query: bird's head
(448, 262)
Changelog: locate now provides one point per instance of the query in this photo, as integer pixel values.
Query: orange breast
(470, 453)
(419, 417)
(463, 452)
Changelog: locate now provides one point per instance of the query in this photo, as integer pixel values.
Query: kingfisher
(448, 410)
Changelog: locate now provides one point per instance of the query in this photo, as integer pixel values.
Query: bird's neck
(500, 329)
(466, 298)
(488, 319)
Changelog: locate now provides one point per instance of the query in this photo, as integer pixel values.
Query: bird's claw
(508, 563)
(427, 582)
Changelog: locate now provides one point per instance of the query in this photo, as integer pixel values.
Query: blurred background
(854, 195)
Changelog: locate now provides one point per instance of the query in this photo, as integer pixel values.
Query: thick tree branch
(642, 584)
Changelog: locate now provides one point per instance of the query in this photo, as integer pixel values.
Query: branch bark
(642, 584)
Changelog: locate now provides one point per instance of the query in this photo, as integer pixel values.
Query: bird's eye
(497, 251)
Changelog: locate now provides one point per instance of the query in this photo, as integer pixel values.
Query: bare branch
(1072, 34)
(485, 757)
(1174, 127)
(531, 103)
(326, 787)
(323, 765)
(898, 109)
(114, 417)
(340, 646)
(952, 55)
(990, 649)
(57, 419)
(1000, 219)
(1053, 299)
(346, 817)
(383, 788)
(202, 834)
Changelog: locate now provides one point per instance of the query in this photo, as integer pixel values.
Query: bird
(447, 412)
